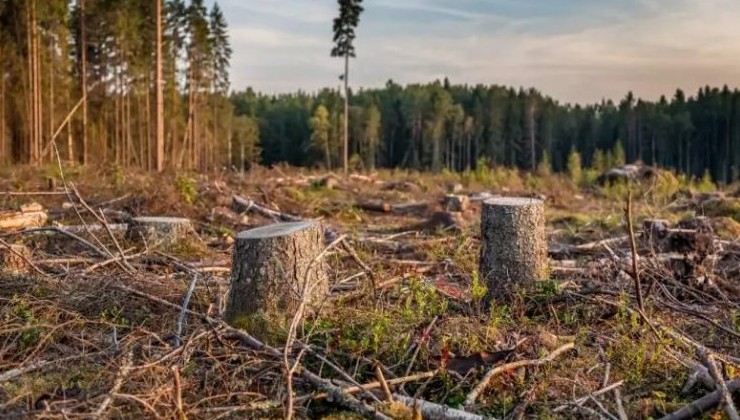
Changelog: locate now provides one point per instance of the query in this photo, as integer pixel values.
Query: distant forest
(53, 51)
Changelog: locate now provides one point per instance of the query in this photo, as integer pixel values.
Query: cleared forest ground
(90, 322)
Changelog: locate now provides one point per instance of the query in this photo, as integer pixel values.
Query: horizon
(576, 52)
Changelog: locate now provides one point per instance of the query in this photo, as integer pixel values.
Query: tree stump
(514, 245)
(274, 268)
(11, 261)
(159, 232)
(456, 203)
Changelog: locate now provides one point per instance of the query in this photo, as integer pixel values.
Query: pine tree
(320, 126)
(344, 36)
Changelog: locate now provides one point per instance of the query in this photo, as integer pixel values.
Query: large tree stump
(12, 259)
(456, 203)
(159, 232)
(514, 251)
(274, 268)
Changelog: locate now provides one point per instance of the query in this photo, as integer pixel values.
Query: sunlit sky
(573, 50)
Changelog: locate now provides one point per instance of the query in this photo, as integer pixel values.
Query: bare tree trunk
(31, 87)
(51, 102)
(3, 146)
(346, 113)
(83, 81)
(532, 140)
(38, 129)
(160, 93)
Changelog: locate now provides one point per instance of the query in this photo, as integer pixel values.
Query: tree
(320, 126)
(371, 135)
(160, 92)
(246, 135)
(575, 169)
(344, 36)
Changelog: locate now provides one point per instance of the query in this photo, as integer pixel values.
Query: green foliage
(618, 156)
(705, 184)
(599, 161)
(187, 187)
(575, 169)
(21, 309)
(544, 168)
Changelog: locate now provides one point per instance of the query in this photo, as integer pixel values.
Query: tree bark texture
(274, 268)
(514, 245)
(159, 232)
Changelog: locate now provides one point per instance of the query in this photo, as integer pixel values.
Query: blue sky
(573, 50)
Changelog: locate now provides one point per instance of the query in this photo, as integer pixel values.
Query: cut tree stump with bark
(274, 268)
(514, 245)
(456, 203)
(160, 232)
(12, 259)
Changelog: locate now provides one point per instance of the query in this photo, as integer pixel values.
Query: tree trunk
(346, 113)
(275, 268)
(160, 232)
(514, 246)
(83, 81)
(160, 93)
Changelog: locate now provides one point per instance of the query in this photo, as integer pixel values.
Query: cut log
(11, 259)
(30, 216)
(456, 203)
(159, 232)
(274, 268)
(514, 245)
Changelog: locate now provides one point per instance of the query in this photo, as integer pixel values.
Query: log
(274, 268)
(30, 216)
(514, 245)
(159, 232)
(456, 203)
(430, 410)
(11, 259)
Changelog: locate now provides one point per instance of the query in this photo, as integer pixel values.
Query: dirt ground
(93, 323)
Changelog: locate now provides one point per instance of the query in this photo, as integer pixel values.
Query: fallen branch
(338, 395)
(122, 373)
(721, 386)
(430, 410)
(703, 404)
(389, 382)
(483, 384)
(243, 205)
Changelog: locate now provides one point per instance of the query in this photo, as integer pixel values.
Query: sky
(573, 50)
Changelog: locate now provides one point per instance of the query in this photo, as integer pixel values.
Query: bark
(275, 268)
(83, 80)
(160, 93)
(456, 203)
(514, 246)
(11, 259)
(159, 232)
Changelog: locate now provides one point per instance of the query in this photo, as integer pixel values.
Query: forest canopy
(53, 51)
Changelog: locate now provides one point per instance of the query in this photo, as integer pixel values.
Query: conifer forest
(101, 57)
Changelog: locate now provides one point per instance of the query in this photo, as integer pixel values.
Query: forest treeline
(95, 61)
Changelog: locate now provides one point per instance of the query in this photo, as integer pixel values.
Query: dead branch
(703, 404)
(722, 387)
(122, 373)
(430, 410)
(583, 400)
(243, 205)
(390, 382)
(483, 384)
(633, 248)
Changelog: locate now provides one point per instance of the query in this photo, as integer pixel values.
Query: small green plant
(478, 290)
(117, 175)
(22, 309)
(187, 187)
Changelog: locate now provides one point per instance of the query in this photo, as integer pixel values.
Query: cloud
(574, 50)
